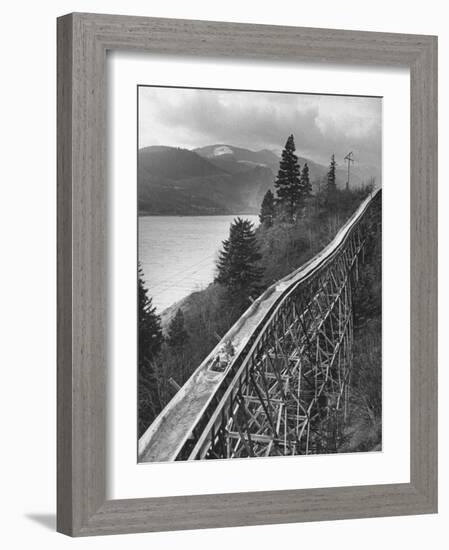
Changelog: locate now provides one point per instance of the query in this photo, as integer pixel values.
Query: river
(178, 253)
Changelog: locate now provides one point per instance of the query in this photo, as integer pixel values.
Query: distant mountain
(228, 155)
(174, 163)
(218, 179)
(173, 181)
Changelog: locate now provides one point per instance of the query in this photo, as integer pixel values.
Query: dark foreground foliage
(364, 429)
(150, 342)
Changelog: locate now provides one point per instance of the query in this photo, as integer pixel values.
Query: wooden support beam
(174, 384)
(255, 438)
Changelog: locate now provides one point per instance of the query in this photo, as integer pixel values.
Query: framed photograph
(246, 274)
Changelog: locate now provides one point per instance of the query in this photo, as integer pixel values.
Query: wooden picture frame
(83, 40)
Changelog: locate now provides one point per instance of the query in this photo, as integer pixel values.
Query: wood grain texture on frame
(83, 40)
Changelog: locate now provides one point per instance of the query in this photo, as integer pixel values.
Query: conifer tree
(150, 342)
(237, 267)
(150, 404)
(177, 335)
(306, 186)
(150, 331)
(331, 179)
(288, 182)
(267, 212)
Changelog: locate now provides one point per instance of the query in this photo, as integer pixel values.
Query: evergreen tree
(150, 342)
(288, 182)
(237, 267)
(331, 179)
(306, 186)
(267, 209)
(150, 331)
(150, 404)
(177, 335)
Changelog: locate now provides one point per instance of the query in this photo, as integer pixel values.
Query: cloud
(321, 124)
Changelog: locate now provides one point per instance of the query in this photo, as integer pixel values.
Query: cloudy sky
(321, 124)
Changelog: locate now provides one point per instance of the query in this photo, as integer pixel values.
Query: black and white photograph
(259, 274)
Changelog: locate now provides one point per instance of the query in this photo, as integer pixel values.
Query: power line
(349, 158)
(186, 274)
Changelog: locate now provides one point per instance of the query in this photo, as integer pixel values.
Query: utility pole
(349, 158)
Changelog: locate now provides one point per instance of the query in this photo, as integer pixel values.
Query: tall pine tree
(288, 181)
(150, 342)
(331, 179)
(306, 186)
(177, 335)
(267, 209)
(150, 331)
(237, 267)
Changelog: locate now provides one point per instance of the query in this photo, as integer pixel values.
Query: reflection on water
(178, 253)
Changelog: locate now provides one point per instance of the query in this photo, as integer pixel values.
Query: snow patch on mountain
(222, 150)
